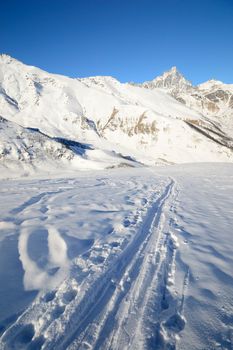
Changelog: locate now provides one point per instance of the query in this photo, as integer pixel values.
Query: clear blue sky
(132, 40)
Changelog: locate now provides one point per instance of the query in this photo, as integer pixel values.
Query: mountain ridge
(9, 59)
(172, 123)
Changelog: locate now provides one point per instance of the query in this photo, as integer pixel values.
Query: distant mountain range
(51, 122)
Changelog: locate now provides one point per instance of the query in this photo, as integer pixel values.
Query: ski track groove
(158, 257)
(137, 291)
(117, 284)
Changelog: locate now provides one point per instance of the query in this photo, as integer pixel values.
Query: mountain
(28, 151)
(164, 121)
(172, 80)
(212, 99)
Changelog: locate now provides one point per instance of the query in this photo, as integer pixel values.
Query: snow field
(46, 255)
(130, 259)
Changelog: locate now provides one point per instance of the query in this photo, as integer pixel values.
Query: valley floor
(122, 259)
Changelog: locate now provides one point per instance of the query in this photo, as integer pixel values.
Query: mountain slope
(29, 151)
(213, 99)
(149, 123)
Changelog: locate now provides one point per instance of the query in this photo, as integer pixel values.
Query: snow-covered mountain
(134, 259)
(172, 80)
(212, 99)
(25, 151)
(165, 121)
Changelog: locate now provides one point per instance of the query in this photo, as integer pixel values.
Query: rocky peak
(173, 70)
(7, 59)
(171, 80)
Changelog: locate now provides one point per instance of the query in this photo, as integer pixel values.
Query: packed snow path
(137, 259)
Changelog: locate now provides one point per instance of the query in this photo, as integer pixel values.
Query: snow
(170, 80)
(148, 125)
(215, 84)
(204, 232)
(122, 259)
(34, 276)
(100, 249)
(27, 151)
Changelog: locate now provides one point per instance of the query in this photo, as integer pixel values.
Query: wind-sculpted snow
(137, 259)
(36, 277)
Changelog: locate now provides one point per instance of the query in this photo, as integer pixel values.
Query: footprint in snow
(114, 244)
(175, 323)
(126, 223)
(49, 296)
(22, 338)
(69, 296)
(58, 311)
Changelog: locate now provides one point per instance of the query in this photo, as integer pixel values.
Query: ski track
(140, 295)
(125, 301)
(116, 283)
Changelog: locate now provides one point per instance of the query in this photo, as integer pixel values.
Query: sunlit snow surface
(123, 259)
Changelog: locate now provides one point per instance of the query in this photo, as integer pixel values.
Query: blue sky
(132, 40)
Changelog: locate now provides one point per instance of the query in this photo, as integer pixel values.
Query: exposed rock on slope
(166, 120)
(27, 150)
(213, 98)
(172, 80)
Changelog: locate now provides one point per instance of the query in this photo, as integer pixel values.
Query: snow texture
(127, 259)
